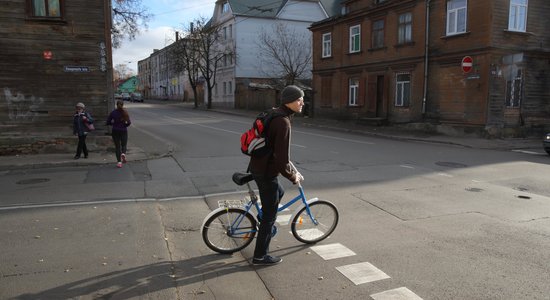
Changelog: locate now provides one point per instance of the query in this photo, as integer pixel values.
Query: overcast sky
(168, 16)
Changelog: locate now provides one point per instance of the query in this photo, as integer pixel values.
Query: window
(378, 34)
(327, 45)
(355, 39)
(456, 17)
(353, 91)
(404, 32)
(225, 88)
(46, 8)
(225, 7)
(402, 89)
(230, 86)
(514, 88)
(518, 15)
(225, 33)
(230, 31)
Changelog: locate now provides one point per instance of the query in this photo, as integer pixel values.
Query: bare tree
(212, 50)
(128, 17)
(185, 58)
(284, 53)
(122, 72)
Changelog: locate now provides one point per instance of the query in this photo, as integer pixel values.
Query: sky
(168, 15)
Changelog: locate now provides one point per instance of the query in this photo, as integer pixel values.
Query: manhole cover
(450, 164)
(477, 190)
(33, 181)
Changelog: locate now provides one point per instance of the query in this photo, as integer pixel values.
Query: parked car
(118, 96)
(125, 96)
(546, 143)
(137, 97)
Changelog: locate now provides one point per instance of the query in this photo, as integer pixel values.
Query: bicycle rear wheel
(229, 230)
(309, 232)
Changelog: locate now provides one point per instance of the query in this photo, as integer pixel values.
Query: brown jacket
(278, 140)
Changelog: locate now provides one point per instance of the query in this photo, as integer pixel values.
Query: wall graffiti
(22, 108)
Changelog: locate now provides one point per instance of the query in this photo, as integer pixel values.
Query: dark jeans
(271, 193)
(120, 138)
(81, 146)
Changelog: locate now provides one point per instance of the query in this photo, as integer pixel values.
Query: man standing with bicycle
(266, 169)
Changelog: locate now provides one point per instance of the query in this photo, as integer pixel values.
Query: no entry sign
(467, 64)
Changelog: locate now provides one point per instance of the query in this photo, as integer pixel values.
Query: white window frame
(404, 28)
(354, 37)
(327, 44)
(353, 91)
(400, 87)
(455, 10)
(517, 20)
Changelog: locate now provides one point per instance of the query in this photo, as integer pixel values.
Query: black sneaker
(267, 260)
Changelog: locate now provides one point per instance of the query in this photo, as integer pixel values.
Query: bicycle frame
(254, 203)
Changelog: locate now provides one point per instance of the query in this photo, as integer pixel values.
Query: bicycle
(233, 226)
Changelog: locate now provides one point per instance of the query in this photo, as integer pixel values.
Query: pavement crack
(170, 254)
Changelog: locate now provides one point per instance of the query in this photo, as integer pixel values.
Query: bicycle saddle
(242, 178)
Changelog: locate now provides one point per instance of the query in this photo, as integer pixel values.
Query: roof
(257, 8)
(270, 8)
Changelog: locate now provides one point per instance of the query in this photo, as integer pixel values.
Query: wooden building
(478, 65)
(54, 55)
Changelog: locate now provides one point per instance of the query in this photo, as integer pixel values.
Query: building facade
(481, 65)
(157, 78)
(54, 55)
(242, 79)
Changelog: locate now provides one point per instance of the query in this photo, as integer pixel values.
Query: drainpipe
(426, 46)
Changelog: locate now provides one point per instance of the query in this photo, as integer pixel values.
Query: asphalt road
(418, 220)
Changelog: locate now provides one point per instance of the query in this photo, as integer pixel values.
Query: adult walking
(120, 120)
(267, 168)
(82, 120)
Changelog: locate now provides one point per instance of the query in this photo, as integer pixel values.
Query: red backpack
(253, 141)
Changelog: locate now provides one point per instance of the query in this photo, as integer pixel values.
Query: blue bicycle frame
(233, 230)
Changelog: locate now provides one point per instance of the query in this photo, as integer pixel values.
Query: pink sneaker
(119, 165)
(123, 156)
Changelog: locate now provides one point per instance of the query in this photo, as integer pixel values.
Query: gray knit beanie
(290, 94)
(81, 105)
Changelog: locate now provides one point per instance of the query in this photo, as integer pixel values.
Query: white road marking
(362, 273)
(401, 293)
(332, 251)
(529, 152)
(283, 219)
(406, 166)
(205, 126)
(445, 174)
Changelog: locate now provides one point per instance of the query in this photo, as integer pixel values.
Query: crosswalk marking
(283, 219)
(401, 293)
(332, 251)
(362, 273)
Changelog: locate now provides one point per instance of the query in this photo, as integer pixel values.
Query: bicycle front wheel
(317, 227)
(229, 230)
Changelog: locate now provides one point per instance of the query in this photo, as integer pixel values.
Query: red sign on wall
(467, 64)
(47, 54)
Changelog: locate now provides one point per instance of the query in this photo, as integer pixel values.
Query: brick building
(375, 61)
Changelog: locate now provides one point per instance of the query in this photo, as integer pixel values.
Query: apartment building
(479, 65)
